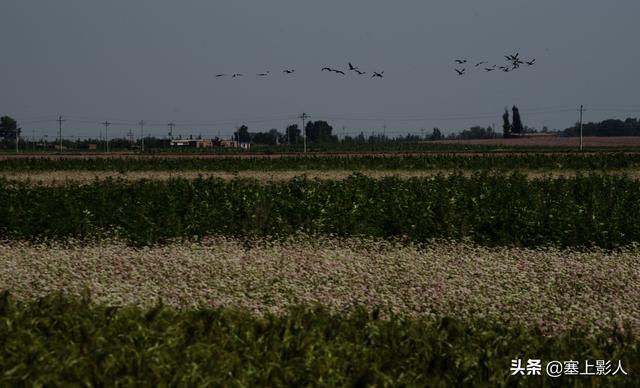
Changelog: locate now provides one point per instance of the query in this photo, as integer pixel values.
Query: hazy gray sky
(124, 61)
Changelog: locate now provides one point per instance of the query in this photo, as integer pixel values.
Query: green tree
(506, 126)
(516, 127)
(436, 134)
(292, 134)
(242, 134)
(320, 132)
(9, 128)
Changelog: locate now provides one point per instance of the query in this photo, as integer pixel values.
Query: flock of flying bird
(376, 74)
(513, 63)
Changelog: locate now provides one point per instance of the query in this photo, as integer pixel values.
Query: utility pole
(142, 135)
(581, 110)
(60, 121)
(304, 116)
(33, 141)
(171, 125)
(106, 133)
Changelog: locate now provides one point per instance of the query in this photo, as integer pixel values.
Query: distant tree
(8, 128)
(242, 134)
(477, 133)
(267, 138)
(610, 127)
(292, 134)
(506, 126)
(516, 127)
(320, 132)
(436, 135)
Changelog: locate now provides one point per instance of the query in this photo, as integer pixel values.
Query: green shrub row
(557, 161)
(490, 209)
(57, 341)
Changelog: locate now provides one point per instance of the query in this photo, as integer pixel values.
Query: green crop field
(440, 277)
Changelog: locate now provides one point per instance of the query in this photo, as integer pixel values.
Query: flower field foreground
(557, 290)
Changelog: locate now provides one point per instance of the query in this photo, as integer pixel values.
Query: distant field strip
(338, 161)
(490, 209)
(556, 289)
(59, 178)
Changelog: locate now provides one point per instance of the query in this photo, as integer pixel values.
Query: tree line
(321, 131)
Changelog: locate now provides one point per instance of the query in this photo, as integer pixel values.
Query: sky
(124, 61)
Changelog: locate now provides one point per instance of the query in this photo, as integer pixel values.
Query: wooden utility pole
(60, 121)
(581, 110)
(106, 133)
(304, 116)
(141, 135)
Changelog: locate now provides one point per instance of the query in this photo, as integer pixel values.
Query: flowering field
(63, 177)
(471, 160)
(557, 290)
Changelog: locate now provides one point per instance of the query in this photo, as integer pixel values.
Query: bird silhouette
(360, 72)
(376, 74)
(531, 62)
(288, 71)
(220, 75)
(460, 72)
(236, 75)
(263, 74)
(461, 61)
(326, 68)
(489, 69)
(338, 71)
(480, 63)
(351, 67)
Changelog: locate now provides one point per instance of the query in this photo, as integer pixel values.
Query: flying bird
(461, 61)
(236, 75)
(288, 71)
(338, 71)
(361, 72)
(263, 74)
(376, 74)
(531, 62)
(489, 69)
(460, 72)
(480, 63)
(351, 67)
(326, 68)
(220, 75)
